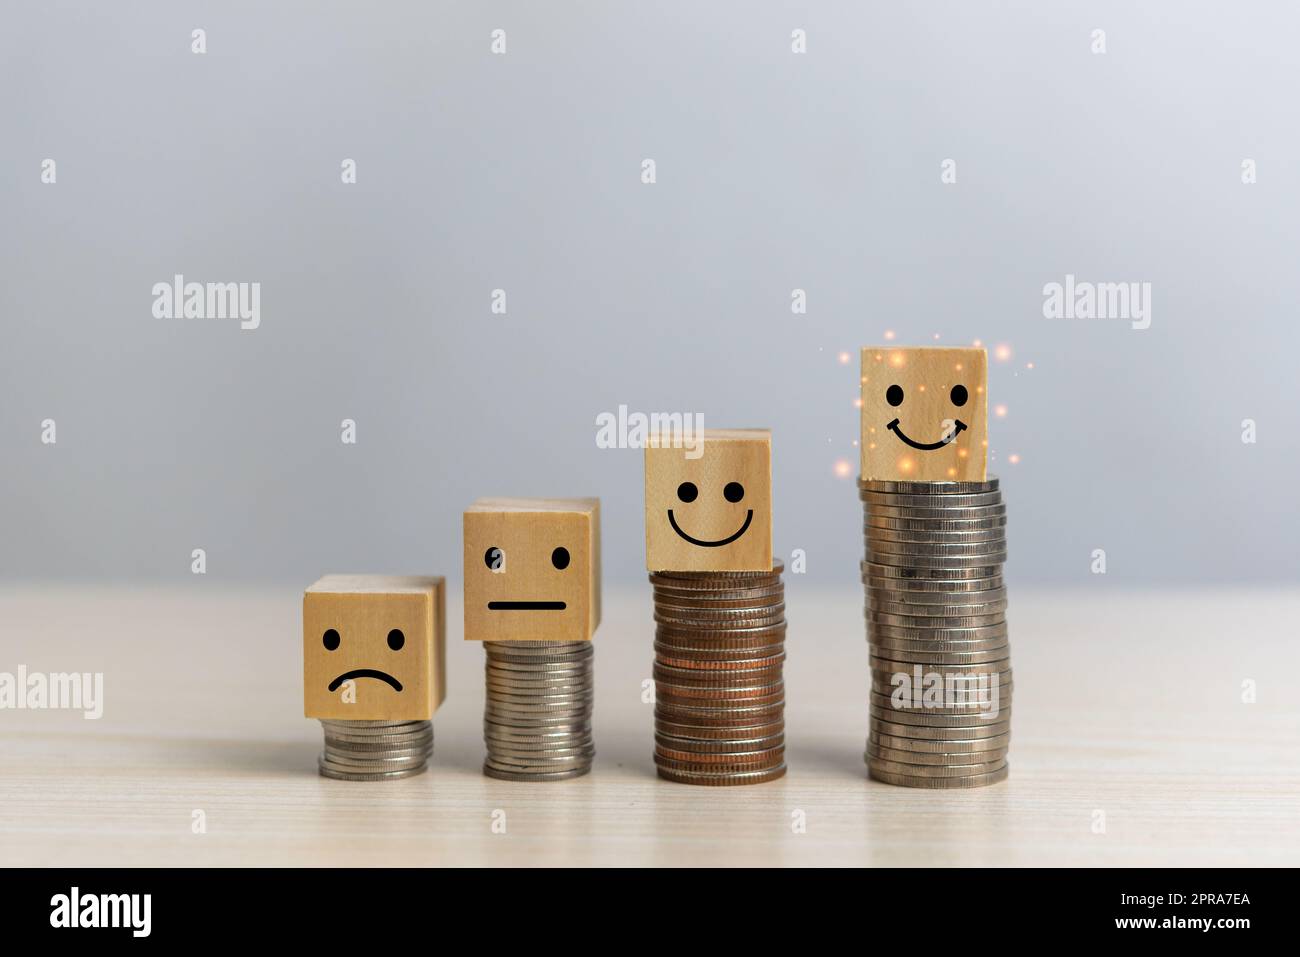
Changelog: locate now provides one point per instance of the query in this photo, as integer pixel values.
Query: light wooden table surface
(1125, 703)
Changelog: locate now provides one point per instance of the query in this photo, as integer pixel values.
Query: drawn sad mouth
(365, 673)
(958, 427)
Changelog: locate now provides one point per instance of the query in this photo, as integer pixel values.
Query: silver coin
(946, 513)
(532, 777)
(966, 781)
(947, 658)
(875, 572)
(936, 771)
(932, 746)
(876, 752)
(969, 699)
(940, 488)
(938, 549)
(944, 623)
(384, 776)
(902, 500)
(924, 566)
(983, 597)
(975, 721)
(877, 631)
(934, 526)
(922, 732)
(956, 610)
(941, 591)
(915, 536)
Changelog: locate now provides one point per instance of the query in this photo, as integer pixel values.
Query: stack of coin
(375, 750)
(719, 693)
(537, 722)
(936, 619)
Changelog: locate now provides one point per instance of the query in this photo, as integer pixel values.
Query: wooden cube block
(373, 647)
(712, 512)
(924, 414)
(532, 569)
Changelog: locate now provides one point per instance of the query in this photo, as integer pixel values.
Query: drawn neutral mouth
(958, 427)
(526, 606)
(749, 517)
(365, 673)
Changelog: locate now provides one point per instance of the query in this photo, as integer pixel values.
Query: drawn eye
(560, 558)
(959, 395)
(734, 492)
(331, 640)
(894, 395)
(687, 492)
(494, 558)
(396, 639)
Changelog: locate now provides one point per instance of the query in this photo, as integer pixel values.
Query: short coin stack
(375, 750)
(537, 721)
(936, 605)
(719, 693)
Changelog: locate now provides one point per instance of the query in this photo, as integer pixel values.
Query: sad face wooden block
(711, 512)
(373, 648)
(924, 414)
(532, 569)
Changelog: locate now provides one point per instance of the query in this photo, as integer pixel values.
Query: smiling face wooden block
(532, 569)
(373, 648)
(924, 414)
(710, 511)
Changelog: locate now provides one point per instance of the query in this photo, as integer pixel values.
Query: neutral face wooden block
(532, 569)
(373, 647)
(713, 512)
(924, 414)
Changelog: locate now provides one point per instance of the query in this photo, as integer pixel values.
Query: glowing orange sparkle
(1002, 352)
(1013, 458)
(1000, 411)
(897, 359)
(842, 469)
(844, 358)
(889, 335)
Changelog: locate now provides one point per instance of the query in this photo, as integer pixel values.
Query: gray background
(775, 171)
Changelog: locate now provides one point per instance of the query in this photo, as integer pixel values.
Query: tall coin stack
(375, 750)
(719, 693)
(936, 604)
(537, 721)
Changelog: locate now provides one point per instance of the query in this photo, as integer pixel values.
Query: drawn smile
(365, 673)
(749, 517)
(958, 427)
(526, 606)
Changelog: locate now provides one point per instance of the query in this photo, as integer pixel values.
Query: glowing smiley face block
(532, 569)
(373, 648)
(711, 512)
(924, 414)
